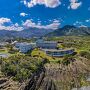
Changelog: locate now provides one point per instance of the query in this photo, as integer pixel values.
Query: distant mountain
(27, 33)
(34, 32)
(70, 31)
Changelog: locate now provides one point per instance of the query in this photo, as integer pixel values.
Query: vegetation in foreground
(19, 67)
(60, 73)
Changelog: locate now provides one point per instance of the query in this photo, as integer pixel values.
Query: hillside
(35, 32)
(70, 31)
(26, 33)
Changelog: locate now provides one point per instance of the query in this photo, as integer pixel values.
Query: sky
(43, 14)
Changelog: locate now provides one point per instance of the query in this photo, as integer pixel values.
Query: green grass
(3, 51)
(41, 54)
(78, 42)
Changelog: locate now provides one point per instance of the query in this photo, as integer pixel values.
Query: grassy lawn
(3, 51)
(42, 54)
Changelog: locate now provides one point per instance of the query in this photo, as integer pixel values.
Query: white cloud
(23, 14)
(78, 23)
(7, 24)
(74, 4)
(47, 3)
(4, 20)
(83, 26)
(88, 20)
(54, 25)
(11, 26)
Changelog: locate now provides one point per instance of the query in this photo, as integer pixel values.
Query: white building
(25, 47)
(3, 43)
(59, 53)
(46, 44)
(4, 55)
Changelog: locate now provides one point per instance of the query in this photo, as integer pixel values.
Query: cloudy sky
(43, 14)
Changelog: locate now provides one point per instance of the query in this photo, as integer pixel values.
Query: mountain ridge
(68, 30)
(26, 33)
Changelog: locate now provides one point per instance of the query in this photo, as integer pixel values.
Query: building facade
(25, 47)
(59, 53)
(46, 44)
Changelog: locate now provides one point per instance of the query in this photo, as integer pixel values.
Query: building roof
(50, 42)
(23, 43)
(57, 50)
(42, 41)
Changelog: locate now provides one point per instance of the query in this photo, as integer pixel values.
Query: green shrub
(85, 54)
(20, 67)
(68, 59)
